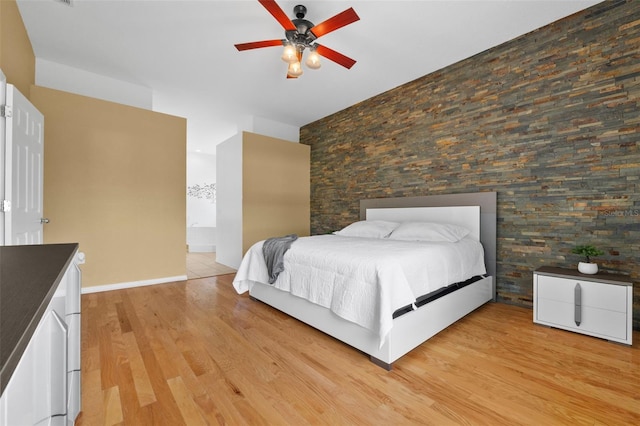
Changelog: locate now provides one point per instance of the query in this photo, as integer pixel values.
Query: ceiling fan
(301, 34)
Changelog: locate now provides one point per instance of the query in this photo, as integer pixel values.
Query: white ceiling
(183, 50)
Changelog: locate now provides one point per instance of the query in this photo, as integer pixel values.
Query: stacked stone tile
(549, 120)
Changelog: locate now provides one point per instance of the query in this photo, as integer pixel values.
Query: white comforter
(365, 280)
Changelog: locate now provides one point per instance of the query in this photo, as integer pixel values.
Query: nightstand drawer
(596, 322)
(597, 295)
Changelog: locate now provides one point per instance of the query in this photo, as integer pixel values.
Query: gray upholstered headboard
(488, 216)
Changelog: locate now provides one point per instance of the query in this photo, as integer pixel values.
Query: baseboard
(120, 286)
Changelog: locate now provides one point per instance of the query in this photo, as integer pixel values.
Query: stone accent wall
(549, 120)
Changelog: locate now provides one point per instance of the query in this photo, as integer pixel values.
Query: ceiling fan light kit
(301, 34)
(313, 60)
(294, 70)
(289, 53)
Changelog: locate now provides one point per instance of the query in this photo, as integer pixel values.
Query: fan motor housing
(302, 25)
(300, 11)
(302, 35)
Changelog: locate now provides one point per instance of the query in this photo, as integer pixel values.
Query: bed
(405, 322)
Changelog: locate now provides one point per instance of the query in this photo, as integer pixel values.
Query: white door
(3, 100)
(23, 170)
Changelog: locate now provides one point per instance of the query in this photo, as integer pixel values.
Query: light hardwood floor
(197, 353)
(200, 265)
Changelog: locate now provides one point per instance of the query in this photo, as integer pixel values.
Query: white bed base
(413, 328)
(409, 330)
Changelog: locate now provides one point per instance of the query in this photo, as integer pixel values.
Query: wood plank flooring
(201, 265)
(196, 353)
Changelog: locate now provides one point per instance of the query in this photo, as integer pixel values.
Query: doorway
(201, 217)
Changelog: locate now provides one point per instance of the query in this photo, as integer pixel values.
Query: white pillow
(368, 229)
(427, 231)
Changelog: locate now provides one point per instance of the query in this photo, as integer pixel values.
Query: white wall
(73, 80)
(229, 204)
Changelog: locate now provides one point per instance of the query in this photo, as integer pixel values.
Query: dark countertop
(603, 277)
(29, 276)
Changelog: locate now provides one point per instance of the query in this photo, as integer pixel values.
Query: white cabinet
(598, 305)
(73, 278)
(44, 388)
(29, 398)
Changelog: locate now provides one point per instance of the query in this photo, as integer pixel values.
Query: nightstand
(599, 305)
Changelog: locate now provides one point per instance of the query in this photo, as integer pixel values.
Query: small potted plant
(587, 251)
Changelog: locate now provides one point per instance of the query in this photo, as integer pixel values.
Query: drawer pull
(577, 294)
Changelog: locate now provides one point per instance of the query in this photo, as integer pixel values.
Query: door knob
(44, 220)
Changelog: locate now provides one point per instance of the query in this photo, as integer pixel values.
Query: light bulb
(289, 54)
(295, 69)
(313, 60)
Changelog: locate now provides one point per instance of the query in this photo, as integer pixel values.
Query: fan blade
(334, 56)
(275, 10)
(347, 17)
(258, 44)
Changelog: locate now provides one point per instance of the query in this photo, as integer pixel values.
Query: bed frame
(415, 327)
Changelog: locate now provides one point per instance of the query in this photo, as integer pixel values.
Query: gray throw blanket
(273, 251)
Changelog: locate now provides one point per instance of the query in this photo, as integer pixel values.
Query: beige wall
(115, 181)
(114, 176)
(17, 60)
(275, 188)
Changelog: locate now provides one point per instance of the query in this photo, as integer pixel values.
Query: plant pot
(588, 268)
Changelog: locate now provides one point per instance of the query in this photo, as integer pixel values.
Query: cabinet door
(75, 395)
(74, 282)
(37, 389)
(73, 323)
